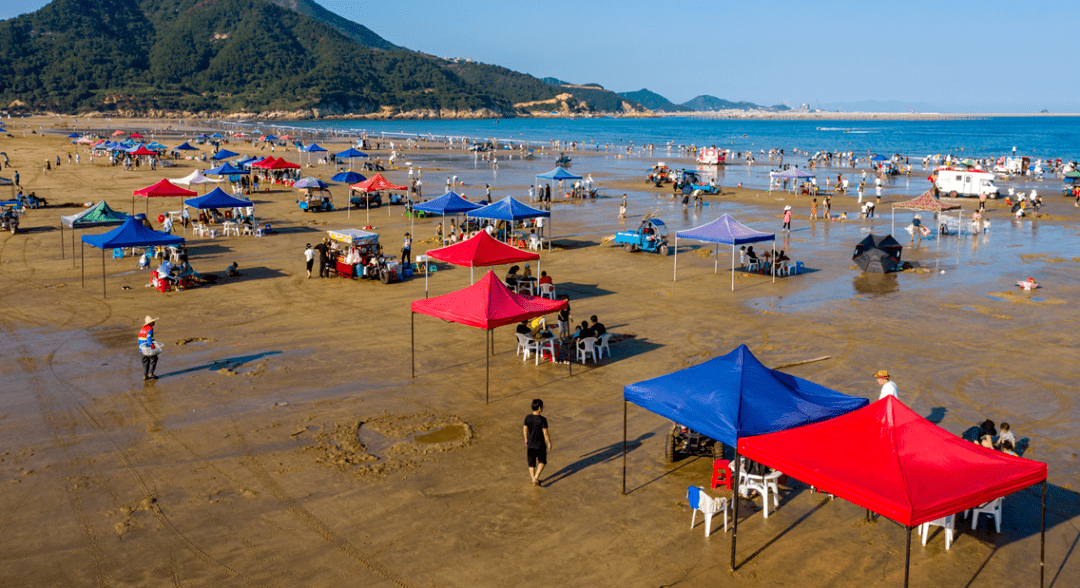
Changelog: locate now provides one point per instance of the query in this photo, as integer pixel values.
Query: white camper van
(964, 182)
(711, 156)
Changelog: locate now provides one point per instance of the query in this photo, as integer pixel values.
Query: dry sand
(286, 444)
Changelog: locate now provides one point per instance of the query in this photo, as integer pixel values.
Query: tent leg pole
(62, 240)
(82, 262)
(412, 342)
(72, 246)
(735, 505)
(104, 292)
(716, 260)
(1042, 540)
(732, 266)
(907, 559)
(675, 272)
(773, 261)
(624, 447)
(487, 375)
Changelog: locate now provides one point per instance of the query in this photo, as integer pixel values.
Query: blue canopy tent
(313, 148)
(509, 209)
(735, 396)
(224, 154)
(449, 203)
(74, 136)
(879, 157)
(132, 233)
(218, 136)
(727, 231)
(558, 174)
(217, 198)
(792, 173)
(269, 138)
(227, 169)
(185, 146)
(350, 153)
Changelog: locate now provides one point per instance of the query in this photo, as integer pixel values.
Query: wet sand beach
(285, 443)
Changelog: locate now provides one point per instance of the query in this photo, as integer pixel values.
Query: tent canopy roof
(309, 183)
(927, 202)
(487, 304)
(558, 174)
(349, 177)
(163, 188)
(735, 396)
(449, 203)
(131, 233)
(793, 173)
(375, 184)
(350, 152)
(508, 209)
(481, 250)
(726, 230)
(217, 198)
(226, 169)
(195, 177)
(98, 215)
(224, 154)
(313, 148)
(887, 458)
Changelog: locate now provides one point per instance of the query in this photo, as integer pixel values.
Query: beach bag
(151, 350)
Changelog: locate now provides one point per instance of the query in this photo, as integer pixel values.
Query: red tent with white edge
(160, 189)
(480, 251)
(888, 459)
(487, 304)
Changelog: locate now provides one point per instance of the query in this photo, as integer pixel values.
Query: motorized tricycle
(650, 236)
(682, 442)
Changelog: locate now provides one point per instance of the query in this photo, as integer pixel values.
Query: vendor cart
(363, 258)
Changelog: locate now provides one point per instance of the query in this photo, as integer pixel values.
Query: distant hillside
(553, 81)
(280, 57)
(706, 103)
(653, 101)
(350, 29)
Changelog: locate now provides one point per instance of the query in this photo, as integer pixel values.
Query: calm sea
(1033, 136)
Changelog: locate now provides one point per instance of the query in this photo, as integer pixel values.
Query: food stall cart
(362, 257)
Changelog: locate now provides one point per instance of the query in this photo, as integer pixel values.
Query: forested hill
(228, 56)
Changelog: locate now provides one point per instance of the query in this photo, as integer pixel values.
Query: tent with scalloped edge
(888, 459)
(488, 304)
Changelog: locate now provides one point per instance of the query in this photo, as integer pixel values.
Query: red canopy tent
(160, 189)
(375, 183)
(118, 133)
(481, 250)
(890, 460)
(487, 304)
(142, 150)
(135, 135)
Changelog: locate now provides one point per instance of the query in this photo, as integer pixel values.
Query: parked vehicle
(563, 160)
(651, 236)
(711, 156)
(1012, 165)
(316, 201)
(964, 182)
(9, 216)
(659, 174)
(366, 199)
(682, 442)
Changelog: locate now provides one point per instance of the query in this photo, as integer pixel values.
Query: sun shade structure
(194, 178)
(217, 198)
(131, 233)
(487, 304)
(878, 254)
(557, 174)
(162, 189)
(310, 183)
(735, 396)
(348, 177)
(98, 215)
(908, 469)
(143, 150)
(793, 173)
(449, 203)
(224, 154)
(375, 184)
(481, 250)
(510, 209)
(925, 202)
(226, 169)
(723, 231)
(186, 147)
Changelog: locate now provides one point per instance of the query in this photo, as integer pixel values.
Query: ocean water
(1057, 137)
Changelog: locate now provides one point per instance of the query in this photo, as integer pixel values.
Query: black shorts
(538, 454)
(310, 263)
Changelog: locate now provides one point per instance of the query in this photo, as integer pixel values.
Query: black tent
(878, 254)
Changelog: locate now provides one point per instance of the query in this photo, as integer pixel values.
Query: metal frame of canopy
(716, 263)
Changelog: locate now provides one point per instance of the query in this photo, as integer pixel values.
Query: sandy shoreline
(285, 442)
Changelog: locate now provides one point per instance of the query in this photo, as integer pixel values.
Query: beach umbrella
(310, 184)
(348, 177)
(118, 133)
(269, 138)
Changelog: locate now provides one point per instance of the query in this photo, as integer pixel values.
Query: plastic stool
(721, 475)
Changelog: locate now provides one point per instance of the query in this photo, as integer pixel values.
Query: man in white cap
(148, 348)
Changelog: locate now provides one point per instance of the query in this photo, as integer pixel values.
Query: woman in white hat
(787, 218)
(149, 349)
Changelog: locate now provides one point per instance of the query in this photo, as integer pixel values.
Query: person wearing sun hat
(888, 387)
(149, 349)
(787, 218)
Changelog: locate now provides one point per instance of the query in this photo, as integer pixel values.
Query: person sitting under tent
(164, 272)
(512, 276)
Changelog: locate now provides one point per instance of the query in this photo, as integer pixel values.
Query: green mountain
(706, 103)
(228, 56)
(653, 101)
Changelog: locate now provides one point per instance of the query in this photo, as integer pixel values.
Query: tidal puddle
(997, 298)
(451, 433)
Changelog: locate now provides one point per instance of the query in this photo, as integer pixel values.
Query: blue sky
(958, 57)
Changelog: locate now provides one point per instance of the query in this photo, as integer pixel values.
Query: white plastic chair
(248, 230)
(707, 505)
(534, 243)
(762, 484)
(547, 291)
(585, 347)
(947, 522)
(992, 508)
(525, 287)
(524, 345)
(603, 345)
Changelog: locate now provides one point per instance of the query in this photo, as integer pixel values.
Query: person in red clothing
(148, 348)
(544, 278)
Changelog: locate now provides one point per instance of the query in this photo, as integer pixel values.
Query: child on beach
(813, 209)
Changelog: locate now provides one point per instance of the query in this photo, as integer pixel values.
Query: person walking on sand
(149, 349)
(888, 387)
(406, 251)
(813, 209)
(309, 257)
(537, 441)
(787, 219)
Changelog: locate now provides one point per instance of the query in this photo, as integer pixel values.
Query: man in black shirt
(324, 265)
(598, 328)
(537, 442)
